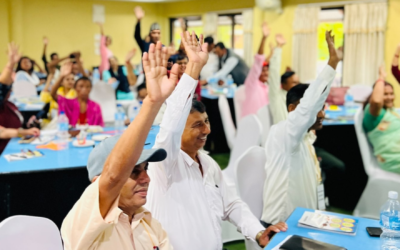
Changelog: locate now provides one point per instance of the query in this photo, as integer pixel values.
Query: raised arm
(377, 96)
(65, 70)
(118, 166)
(395, 64)
(303, 117)
(79, 63)
(13, 58)
(44, 57)
(180, 102)
(38, 67)
(139, 13)
(129, 67)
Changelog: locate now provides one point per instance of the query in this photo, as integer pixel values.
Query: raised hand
(139, 12)
(280, 40)
(66, 69)
(334, 55)
(130, 55)
(13, 54)
(196, 52)
(382, 73)
(271, 231)
(159, 86)
(45, 41)
(265, 29)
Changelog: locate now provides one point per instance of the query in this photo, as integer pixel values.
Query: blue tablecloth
(361, 240)
(229, 92)
(72, 157)
(342, 116)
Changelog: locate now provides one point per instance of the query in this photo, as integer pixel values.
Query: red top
(396, 73)
(82, 119)
(197, 91)
(9, 118)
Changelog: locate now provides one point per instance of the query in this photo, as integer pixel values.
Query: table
(342, 116)
(46, 186)
(360, 241)
(210, 93)
(28, 104)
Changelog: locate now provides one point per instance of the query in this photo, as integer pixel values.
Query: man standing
(229, 64)
(211, 66)
(109, 215)
(293, 171)
(188, 194)
(154, 34)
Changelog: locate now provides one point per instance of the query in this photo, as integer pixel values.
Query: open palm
(13, 54)
(159, 86)
(196, 52)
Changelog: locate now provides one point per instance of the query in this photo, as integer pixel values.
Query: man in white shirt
(292, 169)
(211, 66)
(188, 194)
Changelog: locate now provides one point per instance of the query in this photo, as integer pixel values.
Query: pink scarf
(72, 109)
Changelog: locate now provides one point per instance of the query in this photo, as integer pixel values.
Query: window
(330, 19)
(194, 23)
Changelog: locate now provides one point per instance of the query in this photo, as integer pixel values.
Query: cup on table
(81, 137)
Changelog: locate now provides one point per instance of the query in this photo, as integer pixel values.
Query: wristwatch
(258, 236)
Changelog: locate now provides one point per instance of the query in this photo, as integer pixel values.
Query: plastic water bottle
(390, 222)
(62, 129)
(229, 80)
(134, 113)
(96, 76)
(119, 123)
(348, 101)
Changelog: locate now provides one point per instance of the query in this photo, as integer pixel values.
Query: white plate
(88, 143)
(100, 137)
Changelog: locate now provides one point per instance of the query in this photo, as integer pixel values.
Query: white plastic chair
(29, 233)
(250, 178)
(227, 121)
(360, 93)
(24, 89)
(104, 95)
(380, 182)
(238, 100)
(264, 115)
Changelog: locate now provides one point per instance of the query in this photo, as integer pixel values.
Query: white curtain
(305, 39)
(248, 36)
(364, 28)
(210, 24)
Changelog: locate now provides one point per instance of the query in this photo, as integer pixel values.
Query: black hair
(52, 55)
(286, 76)
(373, 87)
(220, 45)
(181, 57)
(83, 78)
(19, 65)
(296, 93)
(197, 106)
(141, 86)
(209, 40)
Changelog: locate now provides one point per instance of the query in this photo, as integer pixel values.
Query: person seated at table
(292, 168)
(25, 71)
(77, 66)
(80, 110)
(110, 213)
(154, 34)
(381, 122)
(66, 89)
(121, 77)
(188, 193)
(256, 91)
(54, 59)
(10, 118)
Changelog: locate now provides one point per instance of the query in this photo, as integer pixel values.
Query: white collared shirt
(190, 206)
(291, 168)
(211, 66)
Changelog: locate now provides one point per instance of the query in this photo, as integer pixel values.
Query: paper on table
(22, 156)
(42, 140)
(282, 242)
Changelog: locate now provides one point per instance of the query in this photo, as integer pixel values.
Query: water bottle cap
(62, 112)
(119, 105)
(140, 102)
(393, 195)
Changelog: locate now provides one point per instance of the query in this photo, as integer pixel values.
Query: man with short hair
(229, 64)
(154, 33)
(292, 168)
(211, 66)
(109, 215)
(188, 194)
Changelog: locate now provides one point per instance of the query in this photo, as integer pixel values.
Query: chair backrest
(227, 121)
(250, 178)
(367, 153)
(238, 100)
(264, 115)
(29, 233)
(104, 95)
(248, 134)
(24, 89)
(360, 93)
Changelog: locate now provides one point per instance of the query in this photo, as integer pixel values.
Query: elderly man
(154, 33)
(188, 194)
(109, 214)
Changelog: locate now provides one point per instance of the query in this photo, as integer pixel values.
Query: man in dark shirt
(154, 34)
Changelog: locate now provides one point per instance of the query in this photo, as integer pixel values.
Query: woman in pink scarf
(105, 52)
(80, 110)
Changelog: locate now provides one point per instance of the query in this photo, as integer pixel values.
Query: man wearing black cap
(154, 34)
(109, 214)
